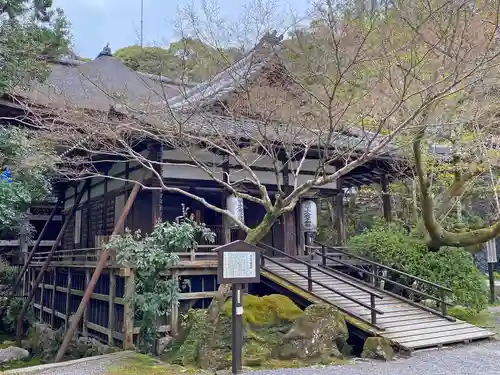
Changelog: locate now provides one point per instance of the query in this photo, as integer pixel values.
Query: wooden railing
(342, 256)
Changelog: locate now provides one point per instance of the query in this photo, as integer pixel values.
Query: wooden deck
(407, 326)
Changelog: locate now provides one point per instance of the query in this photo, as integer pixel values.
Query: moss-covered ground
(143, 365)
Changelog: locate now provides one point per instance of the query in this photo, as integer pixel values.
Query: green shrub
(450, 267)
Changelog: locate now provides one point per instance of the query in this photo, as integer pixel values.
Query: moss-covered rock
(378, 348)
(318, 333)
(272, 325)
(266, 311)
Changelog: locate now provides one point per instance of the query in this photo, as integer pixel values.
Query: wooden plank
(437, 323)
(448, 340)
(41, 299)
(435, 335)
(422, 331)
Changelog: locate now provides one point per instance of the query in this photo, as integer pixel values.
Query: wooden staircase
(407, 324)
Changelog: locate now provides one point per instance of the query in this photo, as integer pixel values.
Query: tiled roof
(97, 85)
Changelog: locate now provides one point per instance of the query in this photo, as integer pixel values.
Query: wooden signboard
(238, 263)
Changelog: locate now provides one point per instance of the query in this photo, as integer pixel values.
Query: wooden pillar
(68, 296)
(290, 242)
(174, 310)
(339, 218)
(226, 228)
(128, 321)
(111, 303)
(85, 319)
(386, 199)
(53, 301)
(42, 285)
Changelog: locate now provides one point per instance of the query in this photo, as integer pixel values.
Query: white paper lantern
(235, 205)
(309, 216)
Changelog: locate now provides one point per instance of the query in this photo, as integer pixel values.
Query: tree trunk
(253, 236)
(438, 235)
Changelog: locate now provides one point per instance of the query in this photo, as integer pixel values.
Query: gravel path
(483, 359)
(97, 366)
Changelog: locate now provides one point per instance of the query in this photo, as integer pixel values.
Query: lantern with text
(235, 205)
(309, 212)
(491, 257)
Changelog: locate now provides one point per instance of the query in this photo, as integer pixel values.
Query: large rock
(40, 337)
(13, 353)
(162, 344)
(318, 333)
(378, 348)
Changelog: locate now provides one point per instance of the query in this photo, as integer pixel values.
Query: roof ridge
(270, 43)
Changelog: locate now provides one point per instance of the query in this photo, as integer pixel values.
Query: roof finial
(106, 51)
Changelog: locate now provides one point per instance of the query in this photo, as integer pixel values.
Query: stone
(318, 333)
(13, 353)
(40, 337)
(378, 348)
(162, 344)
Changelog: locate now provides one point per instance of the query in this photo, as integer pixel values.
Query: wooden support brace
(97, 273)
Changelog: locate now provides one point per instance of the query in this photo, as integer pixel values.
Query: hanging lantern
(309, 212)
(234, 205)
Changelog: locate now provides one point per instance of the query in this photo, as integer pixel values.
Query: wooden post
(386, 199)
(93, 281)
(111, 310)
(339, 218)
(128, 322)
(53, 301)
(174, 310)
(42, 289)
(68, 299)
(85, 319)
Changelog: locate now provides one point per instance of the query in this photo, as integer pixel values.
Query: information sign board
(238, 262)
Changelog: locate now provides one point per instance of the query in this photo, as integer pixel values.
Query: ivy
(151, 255)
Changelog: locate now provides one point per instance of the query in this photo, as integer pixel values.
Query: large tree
(187, 59)
(381, 73)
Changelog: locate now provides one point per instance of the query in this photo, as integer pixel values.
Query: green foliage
(24, 39)
(151, 255)
(187, 58)
(268, 310)
(451, 267)
(29, 163)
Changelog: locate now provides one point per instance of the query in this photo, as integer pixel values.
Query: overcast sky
(97, 22)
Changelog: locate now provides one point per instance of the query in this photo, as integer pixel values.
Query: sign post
(238, 263)
(491, 255)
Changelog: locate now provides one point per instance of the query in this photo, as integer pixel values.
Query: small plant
(152, 254)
